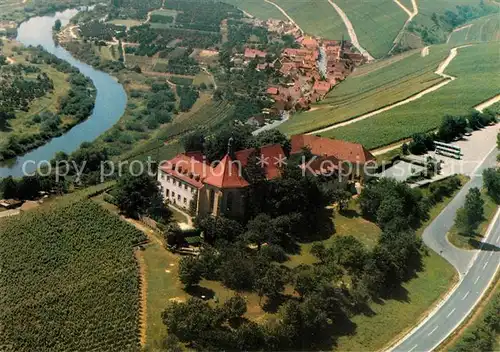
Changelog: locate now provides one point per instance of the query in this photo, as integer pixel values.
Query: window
(179, 197)
(167, 193)
(173, 194)
(185, 186)
(185, 200)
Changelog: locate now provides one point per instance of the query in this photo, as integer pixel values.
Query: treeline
(30, 187)
(137, 9)
(451, 128)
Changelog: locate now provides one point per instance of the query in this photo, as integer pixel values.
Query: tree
(492, 183)
(57, 25)
(219, 228)
(272, 283)
(235, 307)
(138, 195)
(8, 188)
(469, 217)
(259, 230)
(193, 142)
(274, 136)
(189, 271)
(452, 127)
(421, 143)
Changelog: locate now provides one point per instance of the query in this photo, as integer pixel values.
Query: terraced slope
(371, 87)
(480, 30)
(476, 68)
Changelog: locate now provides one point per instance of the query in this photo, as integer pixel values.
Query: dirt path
(439, 71)
(286, 15)
(481, 107)
(458, 30)
(411, 15)
(351, 31)
(425, 51)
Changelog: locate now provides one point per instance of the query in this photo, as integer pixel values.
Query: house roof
(187, 169)
(271, 156)
(272, 90)
(342, 150)
(251, 53)
(227, 174)
(322, 86)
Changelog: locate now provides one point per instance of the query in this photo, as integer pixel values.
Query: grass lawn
(372, 87)
(472, 242)
(316, 17)
(476, 69)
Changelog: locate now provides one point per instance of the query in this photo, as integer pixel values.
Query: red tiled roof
(342, 150)
(322, 86)
(272, 90)
(187, 169)
(252, 53)
(226, 174)
(270, 154)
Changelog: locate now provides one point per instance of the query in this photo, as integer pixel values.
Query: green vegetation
(78, 276)
(42, 98)
(372, 87)
(475, 69)
(258, 8)
(484, 29)
(377, 23)
(315, 17)
(483, 334)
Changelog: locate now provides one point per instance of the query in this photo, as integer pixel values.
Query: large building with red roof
(190, 182)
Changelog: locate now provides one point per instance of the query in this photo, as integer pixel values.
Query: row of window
(177, 183)
(179, 198)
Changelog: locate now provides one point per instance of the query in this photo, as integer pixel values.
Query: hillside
(476, 68)
(371, 87)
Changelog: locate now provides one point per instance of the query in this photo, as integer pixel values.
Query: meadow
(476, 68)
(79, 280)
(371, 87)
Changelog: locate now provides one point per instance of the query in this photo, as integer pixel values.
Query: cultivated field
(476, 69)
(68, 281)
(377, 23)
(371, 87)
(258, 8)
(315, 17)
(483, 29)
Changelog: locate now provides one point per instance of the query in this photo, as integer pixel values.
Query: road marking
(477, 279)
(429, 334)
(464, 297)
(412, 348)
(484, 266)
(450, 313)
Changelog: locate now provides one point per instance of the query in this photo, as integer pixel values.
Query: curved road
(286, 15)
(477, 270)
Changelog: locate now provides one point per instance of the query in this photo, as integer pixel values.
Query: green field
(258, 8)
(476, 69)
(69, 280)
(483, 29)
(376, 22)
(371, 87)
(316, 17)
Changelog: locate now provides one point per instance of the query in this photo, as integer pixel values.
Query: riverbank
(110, 98)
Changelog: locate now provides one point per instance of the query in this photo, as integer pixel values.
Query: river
(110, 102)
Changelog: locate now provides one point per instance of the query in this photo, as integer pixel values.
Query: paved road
(477, 269)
